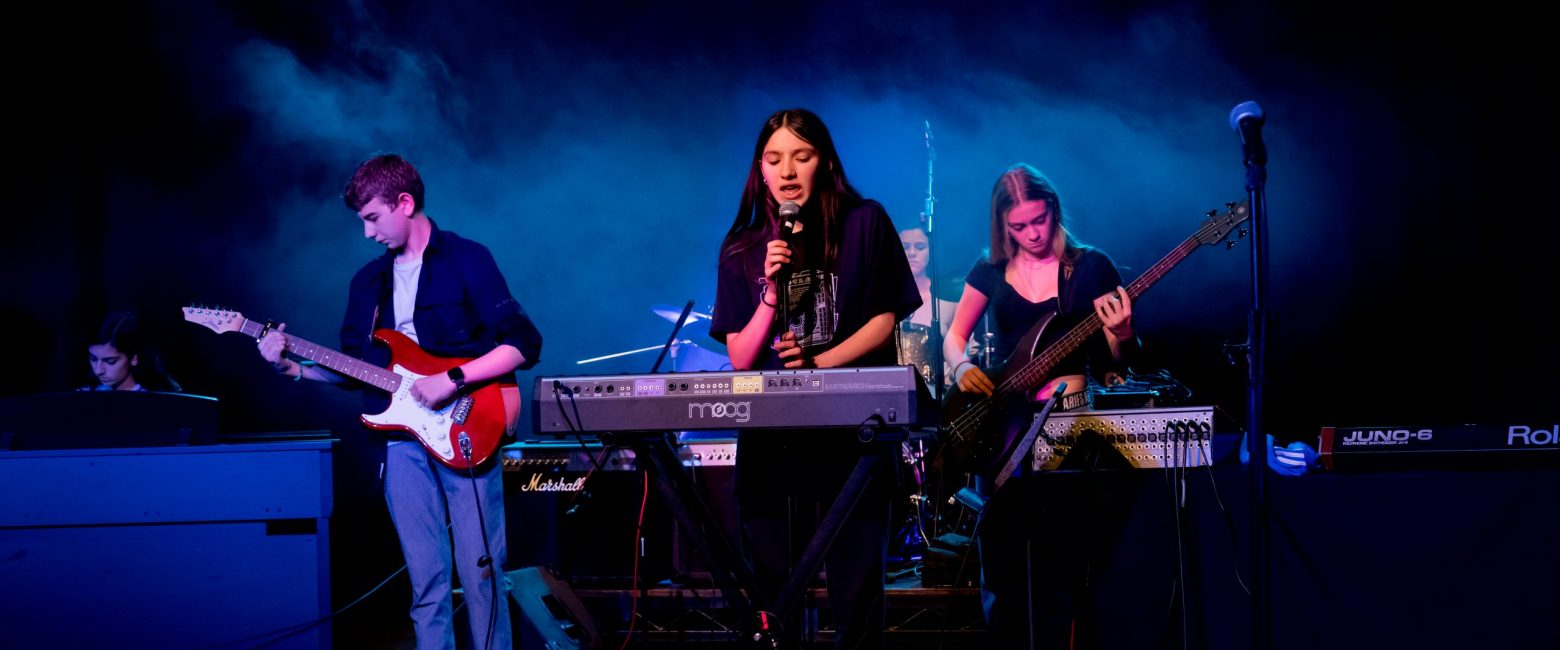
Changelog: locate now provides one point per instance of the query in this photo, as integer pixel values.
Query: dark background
(174, 153)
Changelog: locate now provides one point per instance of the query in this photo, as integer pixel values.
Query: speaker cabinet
(586, 529)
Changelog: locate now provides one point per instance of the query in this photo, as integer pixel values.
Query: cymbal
(671, 313)
(681, 344)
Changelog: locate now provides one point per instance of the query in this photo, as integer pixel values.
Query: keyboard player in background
(120, 359)
(828, 293)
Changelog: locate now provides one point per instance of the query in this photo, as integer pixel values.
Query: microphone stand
(1247, 119)
(935, 336)
(672, 340)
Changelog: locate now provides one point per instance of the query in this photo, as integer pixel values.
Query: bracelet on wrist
(764, 292)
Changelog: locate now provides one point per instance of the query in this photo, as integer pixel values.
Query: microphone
(788, 212)
(1247, 119)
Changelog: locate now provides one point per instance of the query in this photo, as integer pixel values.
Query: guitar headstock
(1220, 224)
(217, 320)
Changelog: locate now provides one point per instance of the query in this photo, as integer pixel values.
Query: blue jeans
(424, 497)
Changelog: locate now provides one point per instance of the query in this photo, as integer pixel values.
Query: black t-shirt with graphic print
(870, 277)
(827, 306)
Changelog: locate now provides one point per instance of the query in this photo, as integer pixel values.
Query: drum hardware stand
(935, 336)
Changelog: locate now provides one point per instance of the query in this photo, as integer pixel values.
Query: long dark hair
(757, 218)
(1020, 183)
(121, 330)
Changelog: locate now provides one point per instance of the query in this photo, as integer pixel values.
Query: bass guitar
(460, 434)
(975, 426)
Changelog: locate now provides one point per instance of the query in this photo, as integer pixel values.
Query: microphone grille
(789, 209)
(1245, 110)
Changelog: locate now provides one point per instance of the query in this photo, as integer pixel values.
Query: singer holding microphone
(811, 275)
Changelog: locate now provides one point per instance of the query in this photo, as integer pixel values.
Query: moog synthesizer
(893, 396)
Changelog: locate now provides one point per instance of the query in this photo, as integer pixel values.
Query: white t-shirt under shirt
(404, 297)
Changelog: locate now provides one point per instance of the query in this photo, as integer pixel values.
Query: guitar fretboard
(345, 364)
(1033, 373)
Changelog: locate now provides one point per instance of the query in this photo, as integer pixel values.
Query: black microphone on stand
(1247, 119)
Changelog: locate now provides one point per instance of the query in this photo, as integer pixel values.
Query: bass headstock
(1221, 224)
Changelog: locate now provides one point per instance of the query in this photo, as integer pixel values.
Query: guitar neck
(1033, 374)
(342, 363)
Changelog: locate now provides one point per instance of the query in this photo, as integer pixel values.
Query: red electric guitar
(480, 412)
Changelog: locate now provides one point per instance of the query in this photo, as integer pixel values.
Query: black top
(1093, 275)
(463, 308)
(870, 277)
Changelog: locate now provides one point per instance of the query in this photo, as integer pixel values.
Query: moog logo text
(738, 411)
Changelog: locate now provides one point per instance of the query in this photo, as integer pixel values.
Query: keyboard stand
(728, 569)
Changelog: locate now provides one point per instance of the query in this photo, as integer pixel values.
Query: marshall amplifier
(1470, 446)
(586, 529)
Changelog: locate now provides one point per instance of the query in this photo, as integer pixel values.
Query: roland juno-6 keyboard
(892, 396)
(1471, 446)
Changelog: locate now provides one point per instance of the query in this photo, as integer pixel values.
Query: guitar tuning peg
(1228, 244)
(1229, 205)
(1243, 232)
(1213, 213)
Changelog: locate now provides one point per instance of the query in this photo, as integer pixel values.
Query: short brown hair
(384, 176)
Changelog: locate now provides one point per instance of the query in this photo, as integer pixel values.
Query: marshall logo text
(541, 483)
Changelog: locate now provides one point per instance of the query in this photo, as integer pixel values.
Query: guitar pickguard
(429, 426)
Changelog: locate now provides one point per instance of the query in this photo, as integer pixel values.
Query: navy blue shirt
(463, 308)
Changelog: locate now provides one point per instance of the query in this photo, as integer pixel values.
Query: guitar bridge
(461, 410)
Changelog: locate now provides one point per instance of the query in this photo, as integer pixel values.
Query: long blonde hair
(1020, 183)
